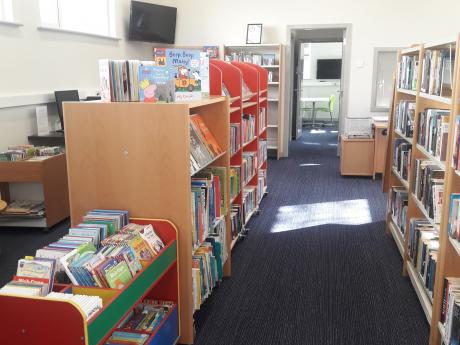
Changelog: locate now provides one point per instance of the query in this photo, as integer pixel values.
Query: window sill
(8, 23)
(73, 32)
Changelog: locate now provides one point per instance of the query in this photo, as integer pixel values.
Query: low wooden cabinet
(380, 146)
(356, 156)
(52, 174)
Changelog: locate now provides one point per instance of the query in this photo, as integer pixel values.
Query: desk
(313, 101)
(51, 139)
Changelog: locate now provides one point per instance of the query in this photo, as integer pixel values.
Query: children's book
(184, 66)
(155, 85)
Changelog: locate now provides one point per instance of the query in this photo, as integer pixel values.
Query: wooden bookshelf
(448, 258)
(274, 89)
(51, 173)
(136, 156)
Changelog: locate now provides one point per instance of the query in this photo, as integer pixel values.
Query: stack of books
(235, 137)
(433, 131)
(235, 181)
(450, 310)
(145, 317)
(31, 152)
(249, 128)
(24, 209)
(249, 201)
(407, 72)
(437, 72)
(428, 187)
(203, 145)
(262, 119)
(423, 251)
(405, 117)
(399, 205)
(208, 202)
(262, 153)
(130, 338)
(90, 305)
(249, 165)
(402, 151)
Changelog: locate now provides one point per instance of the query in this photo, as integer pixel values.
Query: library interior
(229, 173)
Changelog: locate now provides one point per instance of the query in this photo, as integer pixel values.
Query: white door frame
(345, 78)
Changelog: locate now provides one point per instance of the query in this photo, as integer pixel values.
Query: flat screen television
(328, 68)
(152, 23)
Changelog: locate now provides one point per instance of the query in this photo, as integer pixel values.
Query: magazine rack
(38, 320)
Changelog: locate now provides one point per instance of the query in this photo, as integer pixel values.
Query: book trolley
(136, 157)
(232, 76)
(448, 254)
(39, 320)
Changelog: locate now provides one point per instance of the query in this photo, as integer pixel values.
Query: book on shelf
(235, 181)
(235, 137)
(450, 310)
(455, 146)
(408, 72)
(185, 68)
(225, 91)
(89, 305)
(453, 226)
(433, 132)
(249, 201)
(248, 127)
(399, 204)
(262, 119)
(249, 166)
(437, 70)
(246, 91)
(405, 118)
(402, 151)
(155, 85)
(119, 80)
(262, 152)
(203, 145)
(236, 220)
(261, 184)
(423, 251)
(29, 152)
(428, 187)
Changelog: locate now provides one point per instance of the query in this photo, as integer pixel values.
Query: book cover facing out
(184, 66)
(155, 85)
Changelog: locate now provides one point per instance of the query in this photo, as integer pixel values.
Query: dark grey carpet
(317, 267)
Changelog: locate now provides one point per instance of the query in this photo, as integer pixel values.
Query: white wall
(326, 50)
(34, 62)
(392, 23)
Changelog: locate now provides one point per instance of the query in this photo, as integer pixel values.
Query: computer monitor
(65, 96)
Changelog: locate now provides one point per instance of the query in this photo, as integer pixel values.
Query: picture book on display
(155, 85)
(184, 66)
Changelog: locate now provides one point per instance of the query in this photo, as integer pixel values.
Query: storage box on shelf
(136, 156)
(424, 115)
(64, 322)
(51, 173)
(270, 58)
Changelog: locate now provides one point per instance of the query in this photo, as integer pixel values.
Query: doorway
(317, 77)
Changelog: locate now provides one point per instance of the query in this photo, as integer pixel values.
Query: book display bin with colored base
(43, 321)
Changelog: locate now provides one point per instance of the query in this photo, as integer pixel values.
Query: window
(6, 10)
(382, 81)
(87, 16)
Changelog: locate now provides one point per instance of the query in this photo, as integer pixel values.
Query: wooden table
(313, 101)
